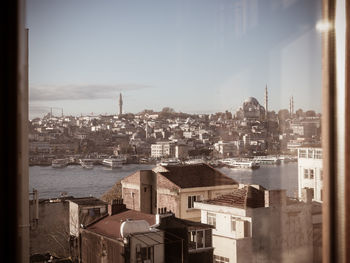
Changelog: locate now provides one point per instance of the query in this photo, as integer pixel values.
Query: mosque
(251, 109)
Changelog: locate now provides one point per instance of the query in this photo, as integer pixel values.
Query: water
(79, 182)
(284, 176)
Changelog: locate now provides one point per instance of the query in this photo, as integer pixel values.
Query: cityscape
(181, 207)
(175, 131)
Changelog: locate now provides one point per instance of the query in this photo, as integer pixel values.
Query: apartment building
(310, 171)
(256, 225)
(174, 187)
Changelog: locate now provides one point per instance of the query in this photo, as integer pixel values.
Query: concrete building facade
(256, 225)
(310, 171)
(162, 149)
(174, 187)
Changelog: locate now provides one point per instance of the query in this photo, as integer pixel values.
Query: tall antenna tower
(266, 101)
(120, 104)
(291, 106)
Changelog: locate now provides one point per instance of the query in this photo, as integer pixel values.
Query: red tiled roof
(241, 198)
(196, 175)
(110, 226)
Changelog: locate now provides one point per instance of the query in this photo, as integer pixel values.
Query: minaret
(266, 102)
(120, 104)
(291, 106)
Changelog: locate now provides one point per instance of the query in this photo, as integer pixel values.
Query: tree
(283, 114)
(310, 113)
(299, 113)
(168, 110)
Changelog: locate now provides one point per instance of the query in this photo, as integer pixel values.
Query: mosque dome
(251, 109)
(252, 100)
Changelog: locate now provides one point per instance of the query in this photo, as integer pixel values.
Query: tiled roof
(196, 175)
(110, 225)
(88, 201)
(247, 196)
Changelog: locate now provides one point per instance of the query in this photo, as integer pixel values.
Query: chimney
(307, 194)
(275, 198)
(116, 206)
(162, 213)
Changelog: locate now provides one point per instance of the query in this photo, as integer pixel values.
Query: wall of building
(266, 234)
(149, 239)
(223, 223)
(205, 193)
(131, 197)
(205, 256)
(283, 234)
(225, 247)
(170, 201)
(51, 232)
(310, 162)
(73, 219)
(98, 249)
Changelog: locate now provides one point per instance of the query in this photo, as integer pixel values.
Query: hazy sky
(191, 55)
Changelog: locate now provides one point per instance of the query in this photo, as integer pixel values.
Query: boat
(267, 160)
(87, 164)
(169, 162)
(242, 164)
(59, 163)
(288, 158)
(113, 162)
(245, 164)
(195, 161)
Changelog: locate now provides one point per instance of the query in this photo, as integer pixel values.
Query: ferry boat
(245, 164)
(195, 161)
(59, 163)
(242, 164)
(87, 164)
(112, 162)
(169, 162)
(267, 160)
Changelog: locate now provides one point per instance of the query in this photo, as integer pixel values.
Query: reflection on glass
(181, 130)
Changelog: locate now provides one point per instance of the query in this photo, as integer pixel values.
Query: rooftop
(245, 197)
(110, 225)
(196, 175)
(88, 201)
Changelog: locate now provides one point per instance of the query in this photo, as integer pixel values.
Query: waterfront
(78, 182)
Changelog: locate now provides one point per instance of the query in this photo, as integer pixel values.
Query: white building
(83, 211)
(162, 149)
(256, 225)
(230, 148)
(310, 173)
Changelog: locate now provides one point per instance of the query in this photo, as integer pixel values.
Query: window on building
(318, 154)
(208, 238)
(302, 153)
(311, 173)
(198, 239)
(310, 153)
(94, 212)
(233, 224)
(211, 219)
(321, 174)
(146, 253)
(192, 199)
(219, 259)
(306, 173)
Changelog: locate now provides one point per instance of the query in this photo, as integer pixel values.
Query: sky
(195, 56)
